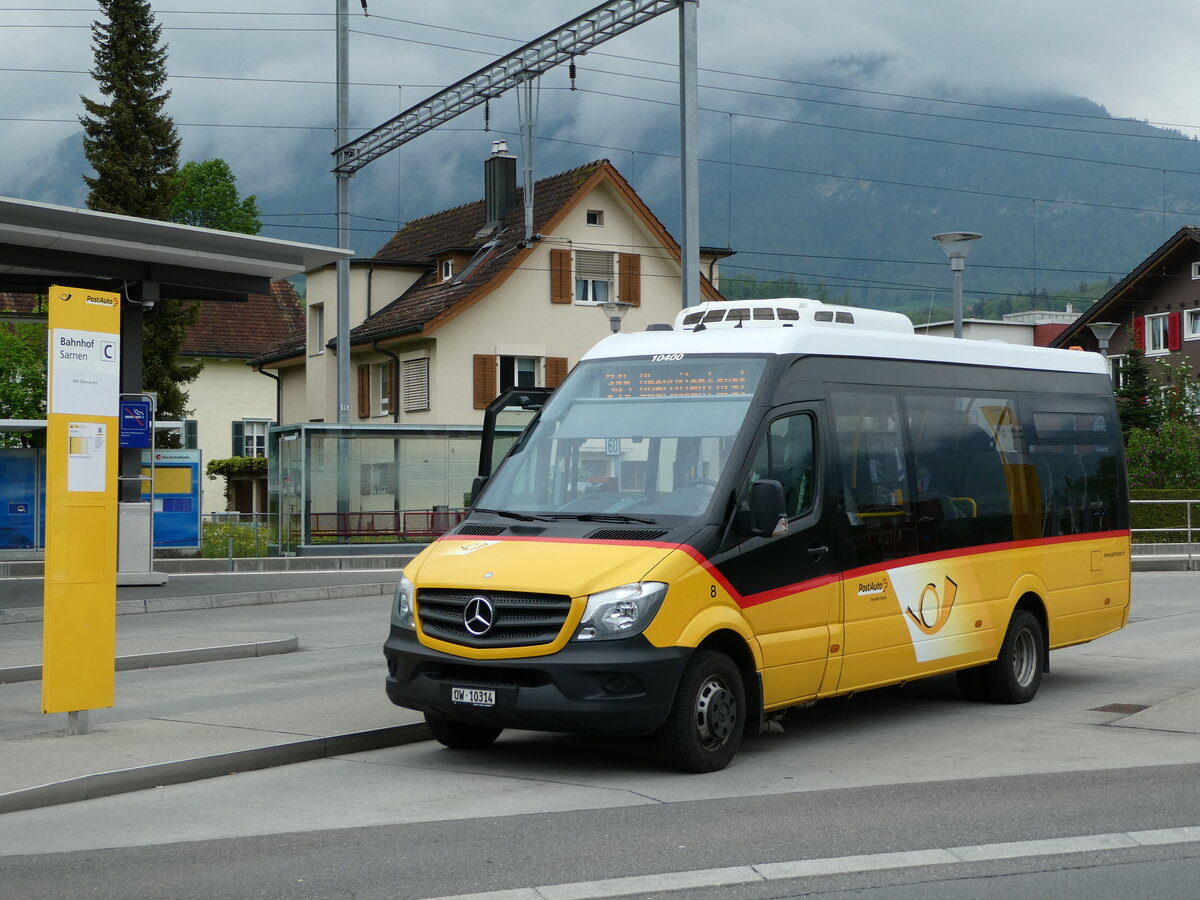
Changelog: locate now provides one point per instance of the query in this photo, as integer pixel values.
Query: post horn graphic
(930, 605)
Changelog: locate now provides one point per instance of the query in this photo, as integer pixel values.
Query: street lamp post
(957, 245)
(614, 311)
(1103, 332)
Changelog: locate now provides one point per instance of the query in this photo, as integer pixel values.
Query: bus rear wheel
(461, 735)
(1017, 672)
(704, 728)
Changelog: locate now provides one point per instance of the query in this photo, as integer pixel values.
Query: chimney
(499, 185)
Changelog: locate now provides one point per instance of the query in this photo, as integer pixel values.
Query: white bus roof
(812, 328)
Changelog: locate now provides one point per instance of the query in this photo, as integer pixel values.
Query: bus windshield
(640, 439)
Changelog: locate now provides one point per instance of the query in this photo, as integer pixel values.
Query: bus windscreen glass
(640, 438)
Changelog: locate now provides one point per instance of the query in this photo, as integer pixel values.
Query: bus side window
(786, 455)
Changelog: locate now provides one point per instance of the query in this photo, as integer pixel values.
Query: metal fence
(236, 535)
(1186, 531)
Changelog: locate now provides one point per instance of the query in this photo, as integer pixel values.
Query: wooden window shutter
(629, 265)
(416, 385)
(239, 438)
(556, 370)
(393, 377)
(1139, 331)
(485, 380)
(364, 392)
(560, 277)
(1174, 331)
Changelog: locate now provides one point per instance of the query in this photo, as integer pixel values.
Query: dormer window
(446, 267)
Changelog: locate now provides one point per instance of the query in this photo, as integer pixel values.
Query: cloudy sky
(253, 84)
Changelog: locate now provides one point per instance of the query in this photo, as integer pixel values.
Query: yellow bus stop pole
(80, 599)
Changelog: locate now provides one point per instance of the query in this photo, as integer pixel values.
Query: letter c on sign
(108, 351)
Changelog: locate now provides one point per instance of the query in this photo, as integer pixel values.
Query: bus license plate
(473, 696)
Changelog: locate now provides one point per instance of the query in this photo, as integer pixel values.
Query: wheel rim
(1025, 658)
(716, 712)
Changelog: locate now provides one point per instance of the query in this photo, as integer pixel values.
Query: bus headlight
(402, 605)
(620, 612)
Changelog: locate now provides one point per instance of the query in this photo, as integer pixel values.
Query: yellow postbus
(768, 504)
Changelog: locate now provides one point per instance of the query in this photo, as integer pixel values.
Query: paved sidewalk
(206, 691)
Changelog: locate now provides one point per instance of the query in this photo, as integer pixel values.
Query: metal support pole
(689, 154)
(343, 214)
(527, 107)
(343, 264)
(957, 266)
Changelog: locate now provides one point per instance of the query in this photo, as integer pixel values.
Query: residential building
(233, 405)
(462, 304)
(1156, 306)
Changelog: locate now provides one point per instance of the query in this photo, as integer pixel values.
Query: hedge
(1166, 515)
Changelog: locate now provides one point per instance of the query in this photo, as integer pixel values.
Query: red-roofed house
(232, 404)
(459, 305)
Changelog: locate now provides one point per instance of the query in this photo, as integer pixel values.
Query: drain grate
(1125, 709)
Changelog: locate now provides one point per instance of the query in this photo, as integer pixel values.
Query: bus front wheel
(461, 735)
(704, 728)
(1015, 675)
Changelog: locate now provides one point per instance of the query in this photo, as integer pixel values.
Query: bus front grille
(492, 618)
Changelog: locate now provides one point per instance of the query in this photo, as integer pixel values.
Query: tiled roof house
(458, 305)
(233, 405)
(1157, 305)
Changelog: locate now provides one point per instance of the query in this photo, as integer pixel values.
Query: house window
(1114, 367)
(1156, 333)
(377, 478)
(596, 217)
(416, 385)
(383, 388)
(1196, 271)
(593, 276)
(316, 328)
(1191, 324)
(447, 269)
(518, 371)
(250, 437)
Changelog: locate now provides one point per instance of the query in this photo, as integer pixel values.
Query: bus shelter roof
(43, 244)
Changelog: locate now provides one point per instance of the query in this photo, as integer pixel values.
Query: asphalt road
(1053, 798)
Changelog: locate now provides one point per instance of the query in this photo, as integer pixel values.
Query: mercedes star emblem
(479, 615)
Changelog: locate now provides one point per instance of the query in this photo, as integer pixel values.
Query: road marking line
(838, 865)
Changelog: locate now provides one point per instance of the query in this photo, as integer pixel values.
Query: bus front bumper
(609, 687)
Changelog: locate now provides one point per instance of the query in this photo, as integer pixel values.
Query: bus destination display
(657, 380)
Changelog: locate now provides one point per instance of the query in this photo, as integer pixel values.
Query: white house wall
(225, 391)
(518, 319)
(515, 319)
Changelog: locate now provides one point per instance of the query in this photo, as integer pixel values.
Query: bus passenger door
(787, 589)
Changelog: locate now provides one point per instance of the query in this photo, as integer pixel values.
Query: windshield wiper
(511, 514)
(605, 517)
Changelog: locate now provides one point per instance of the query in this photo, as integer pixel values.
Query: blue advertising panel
(18, 508)
(136, 423)
(176, 497)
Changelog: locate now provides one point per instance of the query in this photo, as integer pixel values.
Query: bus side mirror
(767, 508)
(477, 484)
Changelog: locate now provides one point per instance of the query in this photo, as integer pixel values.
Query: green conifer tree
(1135, 406)
(130, 141)
(131, 144)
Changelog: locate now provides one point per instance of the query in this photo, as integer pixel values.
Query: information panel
(176, 496)
(83, 375)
